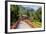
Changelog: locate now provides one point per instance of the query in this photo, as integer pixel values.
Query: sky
(32, 6)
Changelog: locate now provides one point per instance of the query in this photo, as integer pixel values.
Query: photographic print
(25, 16)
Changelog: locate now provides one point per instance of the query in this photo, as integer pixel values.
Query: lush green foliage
(19, 10)
(14, 13)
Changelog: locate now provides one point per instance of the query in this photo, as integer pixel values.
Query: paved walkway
(23, 25)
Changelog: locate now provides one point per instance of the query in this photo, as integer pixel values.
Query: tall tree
(14, 12)
(39, 14)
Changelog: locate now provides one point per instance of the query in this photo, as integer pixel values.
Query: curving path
(23, 23)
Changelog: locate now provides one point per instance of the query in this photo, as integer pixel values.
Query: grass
(38, 24)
